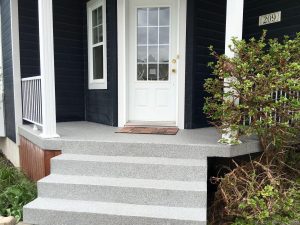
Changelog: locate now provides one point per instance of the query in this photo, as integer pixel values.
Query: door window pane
(164, 53)
(153, 35)
(164, 35)
(142, 17)
(164, 16)
(98, 62)
(153, 54)
(163, 71)
(153, 43)
(152, 72)
(142, 54)
(153, 17)
(142, 72)
(142, 35)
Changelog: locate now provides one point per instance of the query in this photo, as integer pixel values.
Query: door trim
(123, 68)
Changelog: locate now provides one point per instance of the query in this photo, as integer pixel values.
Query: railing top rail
(31, 78)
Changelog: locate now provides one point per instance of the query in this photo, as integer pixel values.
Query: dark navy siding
(206, 22)
(9, 108)
(29, 38)
(68, 53)
(102, 105)
(69, 60)
(290, 24)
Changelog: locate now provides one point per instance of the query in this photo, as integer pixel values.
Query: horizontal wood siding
(68, 55)
(290, 13)
(29, 38)
(102, 105)
(206, 22)
(9, 108)
(34, 161)
(69, 60)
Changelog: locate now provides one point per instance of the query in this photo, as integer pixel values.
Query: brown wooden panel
(35, 161)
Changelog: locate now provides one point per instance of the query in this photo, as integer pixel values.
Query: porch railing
(32, 100)
(276, 95)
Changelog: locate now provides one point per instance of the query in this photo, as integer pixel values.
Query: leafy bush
(260, 69)
(15, 190)
(257, 193)
(262, 84)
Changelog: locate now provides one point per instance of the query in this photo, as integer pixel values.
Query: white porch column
(234, 28)
(47, 68)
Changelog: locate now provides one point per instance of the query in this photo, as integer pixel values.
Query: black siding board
(29, 38)
(206, 22)
(102, 105)
(69, 60)
(289, 25)
(9, 108)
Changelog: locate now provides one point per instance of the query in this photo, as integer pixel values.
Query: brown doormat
(149, 130)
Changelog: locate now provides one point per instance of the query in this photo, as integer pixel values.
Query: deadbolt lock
(173, 61)
(173, 70)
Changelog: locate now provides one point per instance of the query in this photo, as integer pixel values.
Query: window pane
(142, 17)
(164, 16)
(152, 72)
(153, 54)
(164, 35)
(142, 35)
(164, 53)
(142, 54)
(142, 72)
(95, 35)
(100, 33)
(98, 62)
(164, 72)
(99, 15)
(153, 35)
(94, 17)
(153, 17)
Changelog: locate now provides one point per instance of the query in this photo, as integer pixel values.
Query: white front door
(152, 80)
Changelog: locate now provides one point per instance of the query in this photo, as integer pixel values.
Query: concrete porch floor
(87, 135)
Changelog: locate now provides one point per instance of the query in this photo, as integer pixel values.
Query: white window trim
(99, 83)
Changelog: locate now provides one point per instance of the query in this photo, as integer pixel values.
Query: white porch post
(234, 28)
(47, 68)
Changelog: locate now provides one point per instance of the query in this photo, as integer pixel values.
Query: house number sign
(270, 18)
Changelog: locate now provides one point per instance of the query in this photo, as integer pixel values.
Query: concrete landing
(91, 135)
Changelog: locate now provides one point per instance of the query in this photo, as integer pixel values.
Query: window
(153, 44)
(96, 17)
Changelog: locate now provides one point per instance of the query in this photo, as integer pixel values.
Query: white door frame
(123, 23)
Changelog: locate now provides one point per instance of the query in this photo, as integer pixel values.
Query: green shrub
(15, 190)
(265, 191)
(259, 69)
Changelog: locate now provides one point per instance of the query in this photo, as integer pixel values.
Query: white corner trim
(182, 12)
(16, 64)
(122, 68)
(101, 83)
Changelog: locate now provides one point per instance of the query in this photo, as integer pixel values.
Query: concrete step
(184, 151)
(130, 167)
(124, 190)
(45, 211)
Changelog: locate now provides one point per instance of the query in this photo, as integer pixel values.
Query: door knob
(173, 70)
(173, 61)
